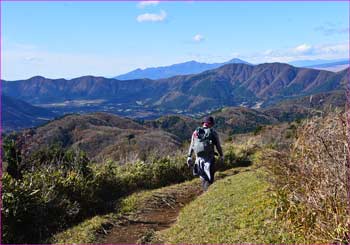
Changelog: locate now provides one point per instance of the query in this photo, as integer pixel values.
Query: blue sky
(71, 39)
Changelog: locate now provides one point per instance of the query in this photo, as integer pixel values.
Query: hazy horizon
(72, 39)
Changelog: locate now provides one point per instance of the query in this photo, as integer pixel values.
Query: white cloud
(143, 4)
(303, 48)
(152, 17)
(301, 52)
(198, 38)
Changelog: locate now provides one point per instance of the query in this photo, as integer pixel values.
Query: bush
(168, 171)
(59, 188)
(258, 129)
(238, 156)
(311, 183)
(54, 196)
(12, 157)
(34, 206)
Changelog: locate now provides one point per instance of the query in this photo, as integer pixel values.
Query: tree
(13, 157)
(130, 137)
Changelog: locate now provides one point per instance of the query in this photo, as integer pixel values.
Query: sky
(71, 39)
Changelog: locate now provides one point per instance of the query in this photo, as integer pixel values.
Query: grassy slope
(237, 209)
(89, 230)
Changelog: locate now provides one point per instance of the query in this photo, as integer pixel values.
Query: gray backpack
(204, 142)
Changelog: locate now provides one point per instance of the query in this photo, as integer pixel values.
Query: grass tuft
(237, 209)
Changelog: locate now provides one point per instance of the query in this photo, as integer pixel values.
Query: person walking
(203, 141)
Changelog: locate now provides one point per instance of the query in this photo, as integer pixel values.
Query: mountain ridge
(228, 85)
(185, 68)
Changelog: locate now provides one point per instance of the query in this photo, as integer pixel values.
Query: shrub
(258, 129)
(311, 183)
(13, 157)
(60, 187)
(34, 206)
(170, 170)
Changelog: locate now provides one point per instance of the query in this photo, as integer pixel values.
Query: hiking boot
(205, 184)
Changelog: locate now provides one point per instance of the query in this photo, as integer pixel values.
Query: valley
(231, 85)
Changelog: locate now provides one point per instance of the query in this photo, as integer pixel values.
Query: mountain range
(186, 68)
(228, 85)
(314, 63)
(194, 67)
(193, 95)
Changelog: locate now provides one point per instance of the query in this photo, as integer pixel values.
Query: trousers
(204, 168)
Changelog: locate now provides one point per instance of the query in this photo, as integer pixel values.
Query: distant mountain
(335, 66)
(17, 114)
(337, 63)
(309, 63)
(329, 65)
(229, 85)
(40, 90)
(190, 67)
(239, 84)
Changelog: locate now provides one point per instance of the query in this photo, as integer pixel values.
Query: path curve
(159, 213)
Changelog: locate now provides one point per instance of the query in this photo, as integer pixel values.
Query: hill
(190, 67)
(107, 136)
(17, 114)
(292, 109)
(229, 85)
(103, 136)
(235, 210)
(180, 126)
(234, 120)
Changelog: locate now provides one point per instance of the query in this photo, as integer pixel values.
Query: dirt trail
(159, 212)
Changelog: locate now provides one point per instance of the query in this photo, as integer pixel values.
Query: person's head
(208, 122)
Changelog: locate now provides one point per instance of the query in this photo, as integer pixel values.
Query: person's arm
(189, 154)
(218, 145)
(190, 150)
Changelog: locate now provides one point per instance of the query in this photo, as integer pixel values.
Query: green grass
(89, 230)
(237, 209)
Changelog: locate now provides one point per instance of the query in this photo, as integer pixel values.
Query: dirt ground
(159, 213)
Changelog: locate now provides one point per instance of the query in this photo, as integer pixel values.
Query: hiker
(202, 144)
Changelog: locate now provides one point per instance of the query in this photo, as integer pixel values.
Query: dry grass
(311, 181)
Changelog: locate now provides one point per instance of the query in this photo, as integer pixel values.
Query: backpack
(204, 142)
